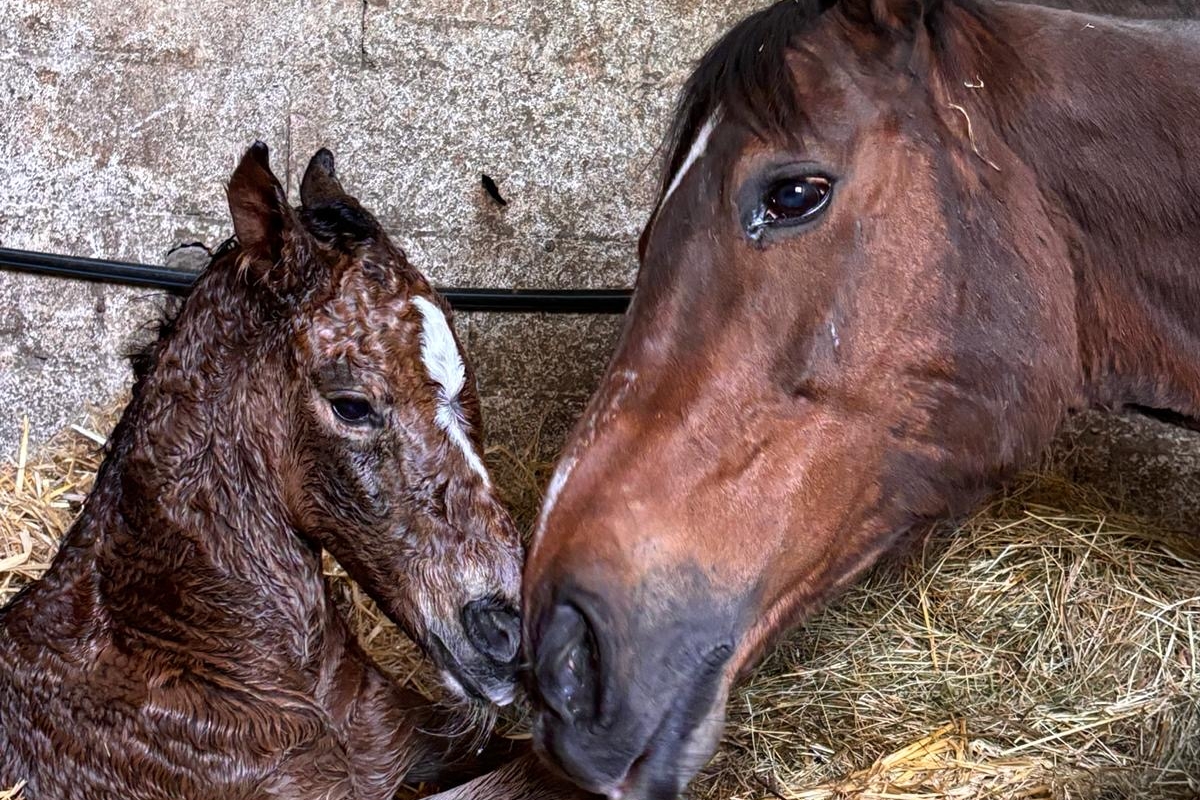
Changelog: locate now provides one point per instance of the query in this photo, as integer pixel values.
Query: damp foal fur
(898, 242)
(184, 643)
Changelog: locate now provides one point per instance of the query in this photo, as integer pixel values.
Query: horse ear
(271, 238)
(320, 185)
(892, 15)
(330, 214)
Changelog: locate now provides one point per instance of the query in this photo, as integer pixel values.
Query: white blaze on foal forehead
(444, 363)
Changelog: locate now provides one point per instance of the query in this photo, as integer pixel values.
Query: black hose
(517, 301)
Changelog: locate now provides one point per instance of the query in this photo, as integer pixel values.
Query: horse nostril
(493, 628)
(567, 669)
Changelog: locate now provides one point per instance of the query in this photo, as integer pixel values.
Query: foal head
(847, 320)
(377, 421)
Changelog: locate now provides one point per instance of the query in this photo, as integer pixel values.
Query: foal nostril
(567, 669)
(493, 629)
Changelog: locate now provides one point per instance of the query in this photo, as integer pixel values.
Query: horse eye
(796, 199)
(351, 409)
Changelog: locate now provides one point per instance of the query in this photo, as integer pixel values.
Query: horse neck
(188, 526)
(1106, 113)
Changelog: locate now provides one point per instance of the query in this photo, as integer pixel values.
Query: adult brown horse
(897, 243)
(311, 394)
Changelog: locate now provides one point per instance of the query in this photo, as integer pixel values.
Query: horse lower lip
(496, 694)
(626, 787)
(632, 777)
(630, 786)
(495, 691)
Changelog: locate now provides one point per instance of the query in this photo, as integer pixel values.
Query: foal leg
(393, 735)
(321, 773)
(524, 779)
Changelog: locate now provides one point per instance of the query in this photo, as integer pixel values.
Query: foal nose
(493, 628)
(567, 671)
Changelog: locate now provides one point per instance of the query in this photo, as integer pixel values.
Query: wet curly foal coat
(311, 394)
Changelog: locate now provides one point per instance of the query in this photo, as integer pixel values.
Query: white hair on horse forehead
(439, 350)
(557, 481)
(699, 145)
(617, 386)
(444, 363)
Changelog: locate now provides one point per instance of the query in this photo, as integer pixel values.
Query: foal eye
(795, 199)
(351, 409)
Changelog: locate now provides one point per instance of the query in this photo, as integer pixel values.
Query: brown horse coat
(897, 243)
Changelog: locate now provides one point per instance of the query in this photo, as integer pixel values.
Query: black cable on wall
(513, 301)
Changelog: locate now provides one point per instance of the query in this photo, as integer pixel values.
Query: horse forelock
(743, 78)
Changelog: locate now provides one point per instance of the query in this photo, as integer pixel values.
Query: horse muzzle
(628, 712)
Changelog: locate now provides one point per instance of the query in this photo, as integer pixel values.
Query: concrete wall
(122, 119)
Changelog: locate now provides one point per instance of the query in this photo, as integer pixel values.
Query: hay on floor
(1047, 647)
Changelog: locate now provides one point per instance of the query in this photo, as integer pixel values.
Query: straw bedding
(1047, 647)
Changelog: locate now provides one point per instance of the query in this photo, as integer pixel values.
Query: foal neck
(188, 524)
(1106, 113)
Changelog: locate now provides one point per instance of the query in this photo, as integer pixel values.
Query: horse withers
(897, 243)
(311, 394)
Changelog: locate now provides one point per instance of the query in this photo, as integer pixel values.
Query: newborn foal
(311, 394)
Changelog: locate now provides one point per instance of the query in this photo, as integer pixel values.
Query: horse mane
(144, 357)
(745, 75)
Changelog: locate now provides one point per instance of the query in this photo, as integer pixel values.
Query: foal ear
(331, 215)
(320, 185)
(273, 243)
(896, 16)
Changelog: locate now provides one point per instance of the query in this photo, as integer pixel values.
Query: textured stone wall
(122, 119)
